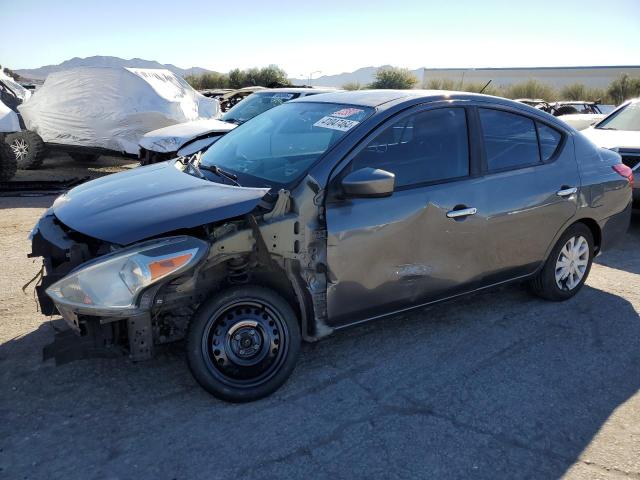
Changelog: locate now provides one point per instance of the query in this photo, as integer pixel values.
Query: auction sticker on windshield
(334, 123)
(347, 112)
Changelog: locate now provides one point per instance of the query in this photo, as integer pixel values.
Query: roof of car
(300, 90)
(375, 98)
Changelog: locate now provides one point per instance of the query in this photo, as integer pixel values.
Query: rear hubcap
(572, 263)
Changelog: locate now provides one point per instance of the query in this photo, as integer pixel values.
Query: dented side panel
(385, 254)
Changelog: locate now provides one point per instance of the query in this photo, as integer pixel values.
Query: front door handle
(566, 191)
(463, 212)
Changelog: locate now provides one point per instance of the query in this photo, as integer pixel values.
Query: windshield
(277, 147)
(627, 118)
(256, 104)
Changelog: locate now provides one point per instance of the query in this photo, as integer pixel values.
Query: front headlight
(115, 280)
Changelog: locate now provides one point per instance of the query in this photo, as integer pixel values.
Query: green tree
(393, 77)
(236, 78)
(623, 88)
(273, 76)
(352, 86)
(440, 84)
(531, 89)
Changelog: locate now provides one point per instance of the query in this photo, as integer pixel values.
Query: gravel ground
(498, 385)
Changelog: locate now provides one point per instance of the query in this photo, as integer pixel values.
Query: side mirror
(368, 182)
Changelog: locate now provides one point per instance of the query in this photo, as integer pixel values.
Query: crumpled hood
(171, 138)
(613, 138)
(144, 202)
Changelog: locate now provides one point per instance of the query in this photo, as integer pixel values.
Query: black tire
(545, 284)
(257, 336)
(565, 110)
(84, 157)
(8, 162)
(28, 148)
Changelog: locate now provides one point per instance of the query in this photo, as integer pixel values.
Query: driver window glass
(424, 147)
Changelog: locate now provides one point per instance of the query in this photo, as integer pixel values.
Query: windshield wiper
(606, 128)
(221, 173)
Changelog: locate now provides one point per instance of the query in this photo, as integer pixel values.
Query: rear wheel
(568, 265)
(243, 344)
(28, 148)
(84, 157)
(8, 162)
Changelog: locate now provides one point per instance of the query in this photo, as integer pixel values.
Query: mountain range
(102, 61)
(362, 75)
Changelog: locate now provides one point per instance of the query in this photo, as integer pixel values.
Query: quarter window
(424, 147)
(549, 141)
(510, 140)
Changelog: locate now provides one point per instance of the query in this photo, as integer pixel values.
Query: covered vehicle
(9, 124)
(620, 132)
(92, 110)
(190, 137)
(324, 212)
(27, 147)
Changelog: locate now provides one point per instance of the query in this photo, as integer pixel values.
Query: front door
(419, 244)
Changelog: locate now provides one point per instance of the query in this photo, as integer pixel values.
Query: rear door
(531, 181)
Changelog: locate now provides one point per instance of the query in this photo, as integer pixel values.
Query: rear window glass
(549, 141)
(510, 140)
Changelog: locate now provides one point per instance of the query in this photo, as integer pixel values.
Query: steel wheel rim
(245, 343)
(20, 148)
(572, 263)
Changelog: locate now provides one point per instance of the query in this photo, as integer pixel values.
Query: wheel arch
(595, 229)
(285, 281)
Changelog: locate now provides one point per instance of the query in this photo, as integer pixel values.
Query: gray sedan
(326, 212)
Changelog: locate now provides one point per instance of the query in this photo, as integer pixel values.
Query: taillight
(624, 171)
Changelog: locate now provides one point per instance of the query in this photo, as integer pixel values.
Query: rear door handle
(463, 212)
(566, 191)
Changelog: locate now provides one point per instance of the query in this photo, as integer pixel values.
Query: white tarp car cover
(8, 120)
(21, 92)
(112, 108)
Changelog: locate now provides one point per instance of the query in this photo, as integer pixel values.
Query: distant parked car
(620, 131)
(190, 137)
(325, 212)
(578, 114)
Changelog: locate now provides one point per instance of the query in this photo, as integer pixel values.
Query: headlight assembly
(114, 281)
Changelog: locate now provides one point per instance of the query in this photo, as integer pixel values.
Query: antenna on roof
(486, 85)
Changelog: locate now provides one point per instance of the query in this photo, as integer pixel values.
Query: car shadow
(487, 386)
(624, 255)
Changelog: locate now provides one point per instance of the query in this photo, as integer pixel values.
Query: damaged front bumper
(67, 254)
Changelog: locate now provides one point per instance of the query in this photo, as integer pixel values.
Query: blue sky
(330, 36)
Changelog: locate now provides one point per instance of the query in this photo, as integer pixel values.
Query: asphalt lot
(498, 385)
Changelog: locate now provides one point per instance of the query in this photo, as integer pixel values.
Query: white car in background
(620, 131)
(579, 115)
(191, 137)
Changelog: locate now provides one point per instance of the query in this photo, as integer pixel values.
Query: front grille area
(62, 250)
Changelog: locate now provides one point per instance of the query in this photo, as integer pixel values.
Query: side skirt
(433, 302)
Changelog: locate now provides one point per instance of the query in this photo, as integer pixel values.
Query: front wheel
(8, 162)
(568, 265)
(243, 344)
(28, 148)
